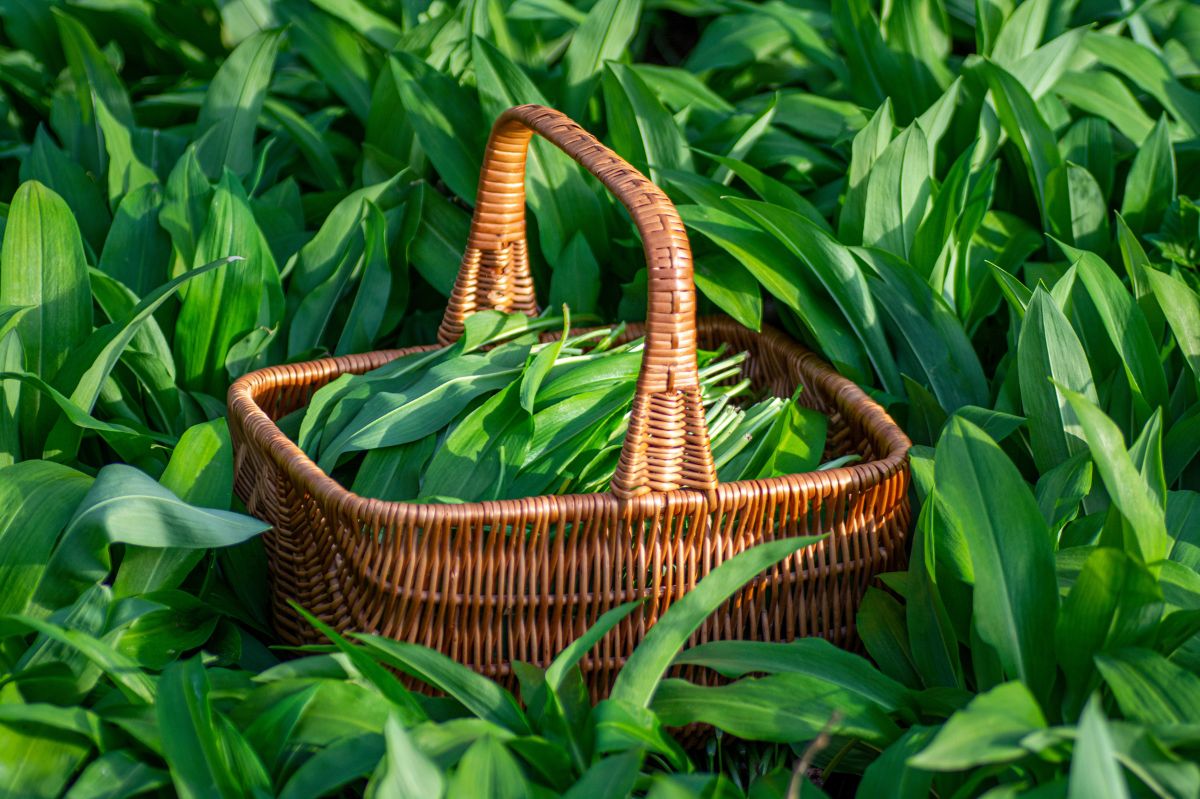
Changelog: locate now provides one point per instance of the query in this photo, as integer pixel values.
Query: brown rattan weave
(495, 582)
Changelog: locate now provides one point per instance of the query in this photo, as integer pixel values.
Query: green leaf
(868, 145)
(1095, 772)
(195, 743)
(1048, 350)
(480, 695)
(898, 193)
(782, 274)
(780, 708)
(1073, 194)
(1113, 604)
(1130, 492)
(42, 266)
(232, 105)
(1127, 328)
(370, 304)
(137, 251)
(1146, 69)
(124, 505)
(1151, 689)
(126, 172)
(200, 472)
(1016, 595)
(338, 56)
(638, 679)
(335, 765)
(989, 730)
(101, 352)
(447, 122)
(37, 499)
(1150, 186)
(116, 774)
(488, 769)
(93, 77)
(608, 778)
(400, 697)
(1028, 131)
(814, 657)
(837, 271)
(925, 326)
(1106, 96)
(602, 36)
(641, 129)
(222, 306)
(405, 772)
(50, 166)
(1181, 306)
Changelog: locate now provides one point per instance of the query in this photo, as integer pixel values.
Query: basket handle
(666, 446)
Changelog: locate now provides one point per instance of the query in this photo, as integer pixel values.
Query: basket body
(518, 580)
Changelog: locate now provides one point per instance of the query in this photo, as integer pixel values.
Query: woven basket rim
(264, 434)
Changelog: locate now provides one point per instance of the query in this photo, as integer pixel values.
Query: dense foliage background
(982, 211)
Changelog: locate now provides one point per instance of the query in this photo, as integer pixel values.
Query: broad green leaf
(446, 119)
(1095, 772)
(837, 271)
(638, 679)
(1106, 96)
(1151, 689)
(50, 166)
(124, 505)
(1088, 143)
(200, 472)
(1028, 131)
(88, 367)
(42, 266)
(602, 36)
(223, 305)
(93, 77)
(405, 772)
(488, 769)
(126, 171)
(1130, 492)
(1073, 194)
(1113, 604)
(37, 499)
(1015, 596)
(1150, 186)
(1181, 306)
(868, 145)
(814, 657)
(137, 251)
(233, 104)
(1126, 326)
(339, 57)
(925, 326)
(1048, 350)
(891, 775)
(194, 741)
(782, 274)
(898, 193)
(115, 774)
(480, 695)
(608, 778)
(1146, 68)
(780, 707)
(335, 765)
(641, 130)
(989, 730)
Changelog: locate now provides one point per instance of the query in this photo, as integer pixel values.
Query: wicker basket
(495, 582)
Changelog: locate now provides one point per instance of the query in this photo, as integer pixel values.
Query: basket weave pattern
(518, 580)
